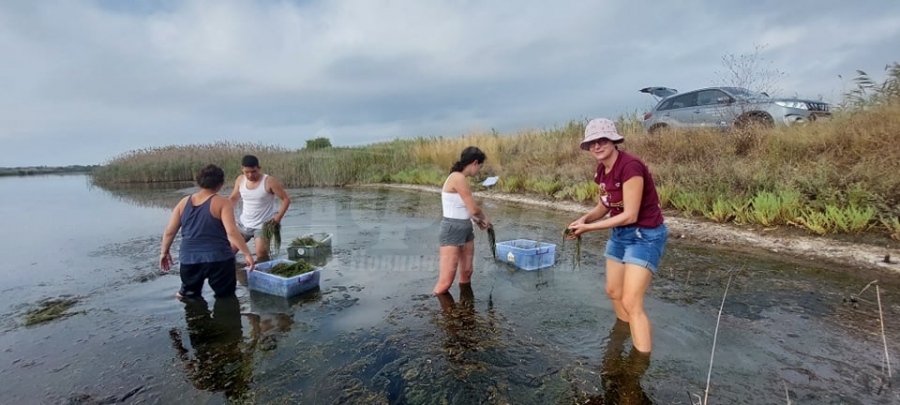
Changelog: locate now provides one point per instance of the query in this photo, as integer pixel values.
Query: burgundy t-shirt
(626, 167)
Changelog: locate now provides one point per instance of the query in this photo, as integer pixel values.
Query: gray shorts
(456, 232)
(249, 233)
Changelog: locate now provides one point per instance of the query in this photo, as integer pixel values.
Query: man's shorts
(635, 245)
(249, 233)
(456, 232)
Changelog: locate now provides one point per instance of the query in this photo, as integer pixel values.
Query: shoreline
(727, 236)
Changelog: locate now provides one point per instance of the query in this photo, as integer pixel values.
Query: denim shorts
(635, 245)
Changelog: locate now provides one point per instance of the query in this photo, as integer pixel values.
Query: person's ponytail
(468, 155)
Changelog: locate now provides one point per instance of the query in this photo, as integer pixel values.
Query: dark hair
(468, 155)
(249, 161)
(211, 177)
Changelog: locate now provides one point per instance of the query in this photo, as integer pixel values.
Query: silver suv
(723, 107)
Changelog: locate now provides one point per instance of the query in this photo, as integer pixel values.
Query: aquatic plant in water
(50, 309)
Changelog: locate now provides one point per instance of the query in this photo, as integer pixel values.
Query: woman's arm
(598, 212)
(461, 186)
(632, 193)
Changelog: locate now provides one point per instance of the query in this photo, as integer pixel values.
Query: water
(374, 334)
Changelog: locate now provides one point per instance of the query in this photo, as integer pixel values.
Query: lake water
(373, 333)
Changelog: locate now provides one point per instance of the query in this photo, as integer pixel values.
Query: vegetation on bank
(828, 177)
(38, 170)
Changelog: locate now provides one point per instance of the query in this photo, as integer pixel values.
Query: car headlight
(793, 104)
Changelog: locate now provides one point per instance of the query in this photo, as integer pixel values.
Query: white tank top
(454, 206)
(259, 205)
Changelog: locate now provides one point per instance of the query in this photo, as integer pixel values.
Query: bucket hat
(599, 128)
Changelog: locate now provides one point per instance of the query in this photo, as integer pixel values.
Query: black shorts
(221, 276)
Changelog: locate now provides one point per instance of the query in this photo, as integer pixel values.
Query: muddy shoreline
(822, 251)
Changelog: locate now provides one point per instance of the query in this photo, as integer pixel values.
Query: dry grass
(826, 177)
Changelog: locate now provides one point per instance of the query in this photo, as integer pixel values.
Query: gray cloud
(88, 80)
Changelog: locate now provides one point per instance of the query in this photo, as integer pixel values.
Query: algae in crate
(311, 245)
(299, 277)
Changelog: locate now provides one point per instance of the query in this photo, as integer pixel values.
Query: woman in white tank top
(457, 239)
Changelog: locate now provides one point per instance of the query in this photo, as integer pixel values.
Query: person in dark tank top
(209, 238)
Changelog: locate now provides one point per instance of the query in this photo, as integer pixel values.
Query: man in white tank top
(258, 192)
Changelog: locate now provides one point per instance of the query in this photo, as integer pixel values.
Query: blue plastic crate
(297, 252)
(527, 254)
(259, 280)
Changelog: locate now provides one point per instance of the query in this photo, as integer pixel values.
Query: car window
(665, 105)
(709, 97)
(684, 101)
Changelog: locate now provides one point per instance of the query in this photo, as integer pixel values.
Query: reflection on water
(620, 373)
(150, 195)
(220, 361)
(459, 323)
(267, 328)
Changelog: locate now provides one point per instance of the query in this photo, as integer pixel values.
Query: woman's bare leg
(450, 257)
(615, 284)
(637, 280)
(466, 262)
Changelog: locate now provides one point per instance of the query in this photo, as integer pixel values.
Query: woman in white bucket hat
(638, 233)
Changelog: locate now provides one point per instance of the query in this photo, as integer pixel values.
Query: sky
(85, 81)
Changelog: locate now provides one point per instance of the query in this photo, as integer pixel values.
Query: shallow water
(374, 334)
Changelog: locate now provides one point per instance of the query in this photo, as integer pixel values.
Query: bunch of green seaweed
(271, 232)
(492, 240)
(566, 232)
(306, 241)
(50, 309)
(288, 270)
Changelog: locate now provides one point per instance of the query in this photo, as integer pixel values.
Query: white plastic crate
(527, 254)
(259, 280)
(297, 252)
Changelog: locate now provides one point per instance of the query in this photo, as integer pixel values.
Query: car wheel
(657, 128)
(754, 120)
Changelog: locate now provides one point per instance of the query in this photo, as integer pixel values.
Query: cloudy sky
(84, 81)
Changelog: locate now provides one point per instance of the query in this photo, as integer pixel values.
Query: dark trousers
(221, 276)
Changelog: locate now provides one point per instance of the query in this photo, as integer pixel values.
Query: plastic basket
(297, 252)
(263, 303)
(259, 280)
(527, 254)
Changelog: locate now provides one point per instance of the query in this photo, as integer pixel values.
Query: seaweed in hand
(271, 232)
(566, 232)
(492, 239)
